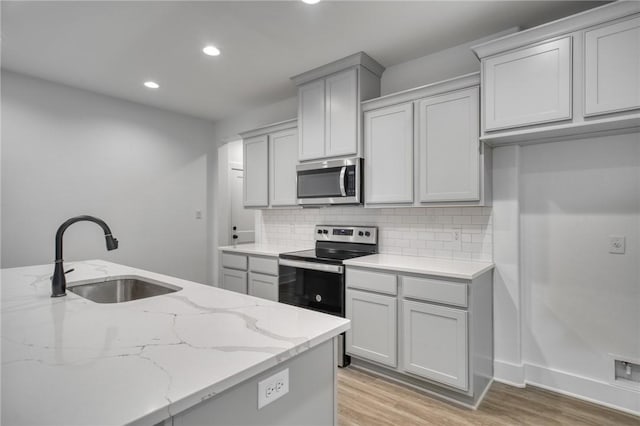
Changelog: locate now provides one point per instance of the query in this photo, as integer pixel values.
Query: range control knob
(360, 233)
(367, 234)
(324, 231)
(319, 231)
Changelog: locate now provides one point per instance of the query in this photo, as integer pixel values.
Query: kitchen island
(180, 358)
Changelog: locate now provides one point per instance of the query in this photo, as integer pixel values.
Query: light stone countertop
(70, 361)
(260, 249)
(461, 269)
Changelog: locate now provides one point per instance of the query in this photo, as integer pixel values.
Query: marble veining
(72, 361)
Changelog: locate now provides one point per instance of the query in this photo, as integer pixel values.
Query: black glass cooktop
(331, 253)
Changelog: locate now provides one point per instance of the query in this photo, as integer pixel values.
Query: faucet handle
(69, 270)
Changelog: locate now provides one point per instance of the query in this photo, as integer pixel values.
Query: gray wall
(143, 170)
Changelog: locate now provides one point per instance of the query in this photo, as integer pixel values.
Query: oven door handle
(343, 171)
(322, 267)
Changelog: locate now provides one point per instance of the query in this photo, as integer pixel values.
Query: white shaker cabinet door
(341, 113)
(435, 343)
(311, 110)
(373, 326)
(612, 67)
(283, 158)
(388, 148)
(528, 86)
(448, 147)
(263, 286)
(256, 175)
(234, 280)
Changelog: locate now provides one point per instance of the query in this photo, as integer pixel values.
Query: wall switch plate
(616, 244)
(273, 388)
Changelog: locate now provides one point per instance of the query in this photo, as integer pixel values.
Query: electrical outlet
(273, 388)
(616, 244)
(198, 214)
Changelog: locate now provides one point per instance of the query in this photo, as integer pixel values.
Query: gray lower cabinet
(435, 343)
(234, 280)
(263, 286)
(253, 275)
(373, 326)
(429, 331)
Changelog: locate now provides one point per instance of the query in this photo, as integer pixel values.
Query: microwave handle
(343, 172)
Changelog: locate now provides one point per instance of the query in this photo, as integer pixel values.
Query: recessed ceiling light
(211, 51)
(151, 84)
(311, 1)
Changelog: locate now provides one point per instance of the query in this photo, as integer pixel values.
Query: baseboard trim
(483, 394)
(584, 388)
(509, 373)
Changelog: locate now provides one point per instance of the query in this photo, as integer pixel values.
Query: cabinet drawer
(263, 286)
(235, 261)
(372, 281)
(263, 265)
(434, 290)
(234, 280)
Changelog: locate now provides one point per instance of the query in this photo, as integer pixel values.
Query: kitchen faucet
(58, 280)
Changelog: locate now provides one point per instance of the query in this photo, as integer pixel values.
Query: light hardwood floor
(367, 400)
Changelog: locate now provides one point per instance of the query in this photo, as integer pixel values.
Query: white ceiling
(112, 47)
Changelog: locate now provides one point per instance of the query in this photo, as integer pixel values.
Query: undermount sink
(124, 289)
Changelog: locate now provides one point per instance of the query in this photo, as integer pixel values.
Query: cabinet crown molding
(357, 59)
(456, 83)
(270, 128)
(569, 24)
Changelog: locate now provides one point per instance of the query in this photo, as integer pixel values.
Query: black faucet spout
(58, 280)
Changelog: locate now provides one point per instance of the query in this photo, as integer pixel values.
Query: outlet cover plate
(273, 387)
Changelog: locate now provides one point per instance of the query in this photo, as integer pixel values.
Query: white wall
(582, 302)
(67, 152)
(577, 303)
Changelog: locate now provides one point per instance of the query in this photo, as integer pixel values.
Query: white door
(256, 176)
(448, 147)
(435, 343)
(341, 117)
(263, 286)
(388, 148)
(242, 220)
(373, 326)
(528, 86)
(283, 158)
(311, 110)
(234, 280)
(612, 67)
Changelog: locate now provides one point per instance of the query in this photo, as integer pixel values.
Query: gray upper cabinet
(422, 147)
(270, 159)
(329, 106)
(283, 156)
(612, 67)
(256, 172)
(570, 78)
(388, 147)
(341, 116)
(528, 86)
(448, 147)
(311, 101)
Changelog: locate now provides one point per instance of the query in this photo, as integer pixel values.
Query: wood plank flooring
(368, 400)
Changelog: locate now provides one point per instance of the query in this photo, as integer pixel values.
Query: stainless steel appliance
(330, 182)
(315, 279)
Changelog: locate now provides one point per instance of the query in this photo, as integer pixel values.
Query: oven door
(330, 182)
(312, 285)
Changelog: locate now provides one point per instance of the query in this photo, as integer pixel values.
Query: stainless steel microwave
(330, 182)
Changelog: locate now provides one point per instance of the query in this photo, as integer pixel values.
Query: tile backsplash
(425, 232)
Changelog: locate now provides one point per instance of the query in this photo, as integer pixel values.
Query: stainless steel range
(315, 279)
